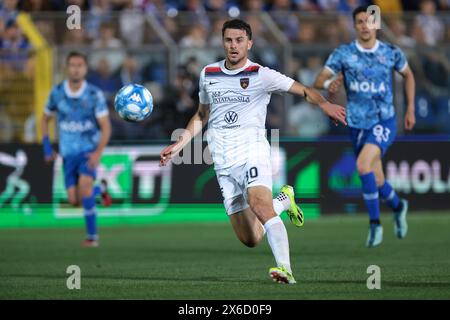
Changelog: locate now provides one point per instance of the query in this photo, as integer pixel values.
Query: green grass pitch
(206, 261)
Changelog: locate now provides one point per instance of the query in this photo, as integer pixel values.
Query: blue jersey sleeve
(334, 61)
(51, 105)
(400, 62)
(101, 108)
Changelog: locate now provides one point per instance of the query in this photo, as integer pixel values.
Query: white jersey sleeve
(274, 81)
(202, 94)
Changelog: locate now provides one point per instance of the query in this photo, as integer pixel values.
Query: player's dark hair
(237, 24)
(76, 54)
(359, 10)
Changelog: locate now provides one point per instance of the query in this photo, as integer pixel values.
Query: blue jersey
(76, 116)
(367, 80)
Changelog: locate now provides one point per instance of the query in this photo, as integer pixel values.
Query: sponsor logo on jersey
(229, 96)
(365, 86)
(230, 117)
(76, 126)
(244, 82)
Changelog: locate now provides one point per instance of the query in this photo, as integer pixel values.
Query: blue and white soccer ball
(134, 103)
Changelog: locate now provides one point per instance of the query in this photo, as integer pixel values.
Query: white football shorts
(235, 180)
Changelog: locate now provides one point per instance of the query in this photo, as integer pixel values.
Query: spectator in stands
(253, 6)
(262, 51)
(304, 119)
(155, 70)
(196, 37)
(316, 5)
(36, 5)
(306, 34)
(307, 73)
(215, 38)
(130, 71)
(75, 38)
(281, 12)
(217, 5)
(14, 48)
(131, 22)
(307, 121)
(194, 44)
(8, 9)
(98, 15)
(180, 101)
(410, 5)
(432, 26)
(108, 46)
(166, 14)
(107, 39)
(398, 28)
(436, 67)
(8, 12)
(330, 35)
(197, 12)
(347, 6)
(61, 5)
(444, 5)
(103, 78)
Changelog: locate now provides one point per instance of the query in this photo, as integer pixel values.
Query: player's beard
(234, 61)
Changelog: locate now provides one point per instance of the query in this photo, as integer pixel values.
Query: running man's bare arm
(194, 127)
(410, 89)
(334, 111)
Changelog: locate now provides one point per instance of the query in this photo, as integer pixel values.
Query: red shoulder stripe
(212, 69)
(252, 69)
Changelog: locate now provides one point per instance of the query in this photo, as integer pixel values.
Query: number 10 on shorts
(251, 175)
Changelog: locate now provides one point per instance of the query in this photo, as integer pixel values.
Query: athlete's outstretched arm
(194, 127)
(410, 89)
(334, 111)
(105, 134)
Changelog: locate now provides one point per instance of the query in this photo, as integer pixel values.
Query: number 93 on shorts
(381, 134)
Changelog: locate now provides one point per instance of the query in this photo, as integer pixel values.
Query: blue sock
(90, 217)
(370, 195)
(389, 195)
(97, 190)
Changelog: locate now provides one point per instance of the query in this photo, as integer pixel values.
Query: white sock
(278, 241)
(281, 203)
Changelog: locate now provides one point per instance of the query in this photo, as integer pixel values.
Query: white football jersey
(238, 102)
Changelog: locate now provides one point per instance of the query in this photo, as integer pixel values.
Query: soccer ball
(133, 103)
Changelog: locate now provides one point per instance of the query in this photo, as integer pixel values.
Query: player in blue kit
(365, 67)
(84, 131)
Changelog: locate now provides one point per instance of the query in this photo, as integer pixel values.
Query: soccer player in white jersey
(365, 68)
(234, 94)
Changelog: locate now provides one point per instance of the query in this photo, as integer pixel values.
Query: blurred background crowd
(165, 44)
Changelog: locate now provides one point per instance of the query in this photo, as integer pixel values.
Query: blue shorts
(76, 165)
(381, 134)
